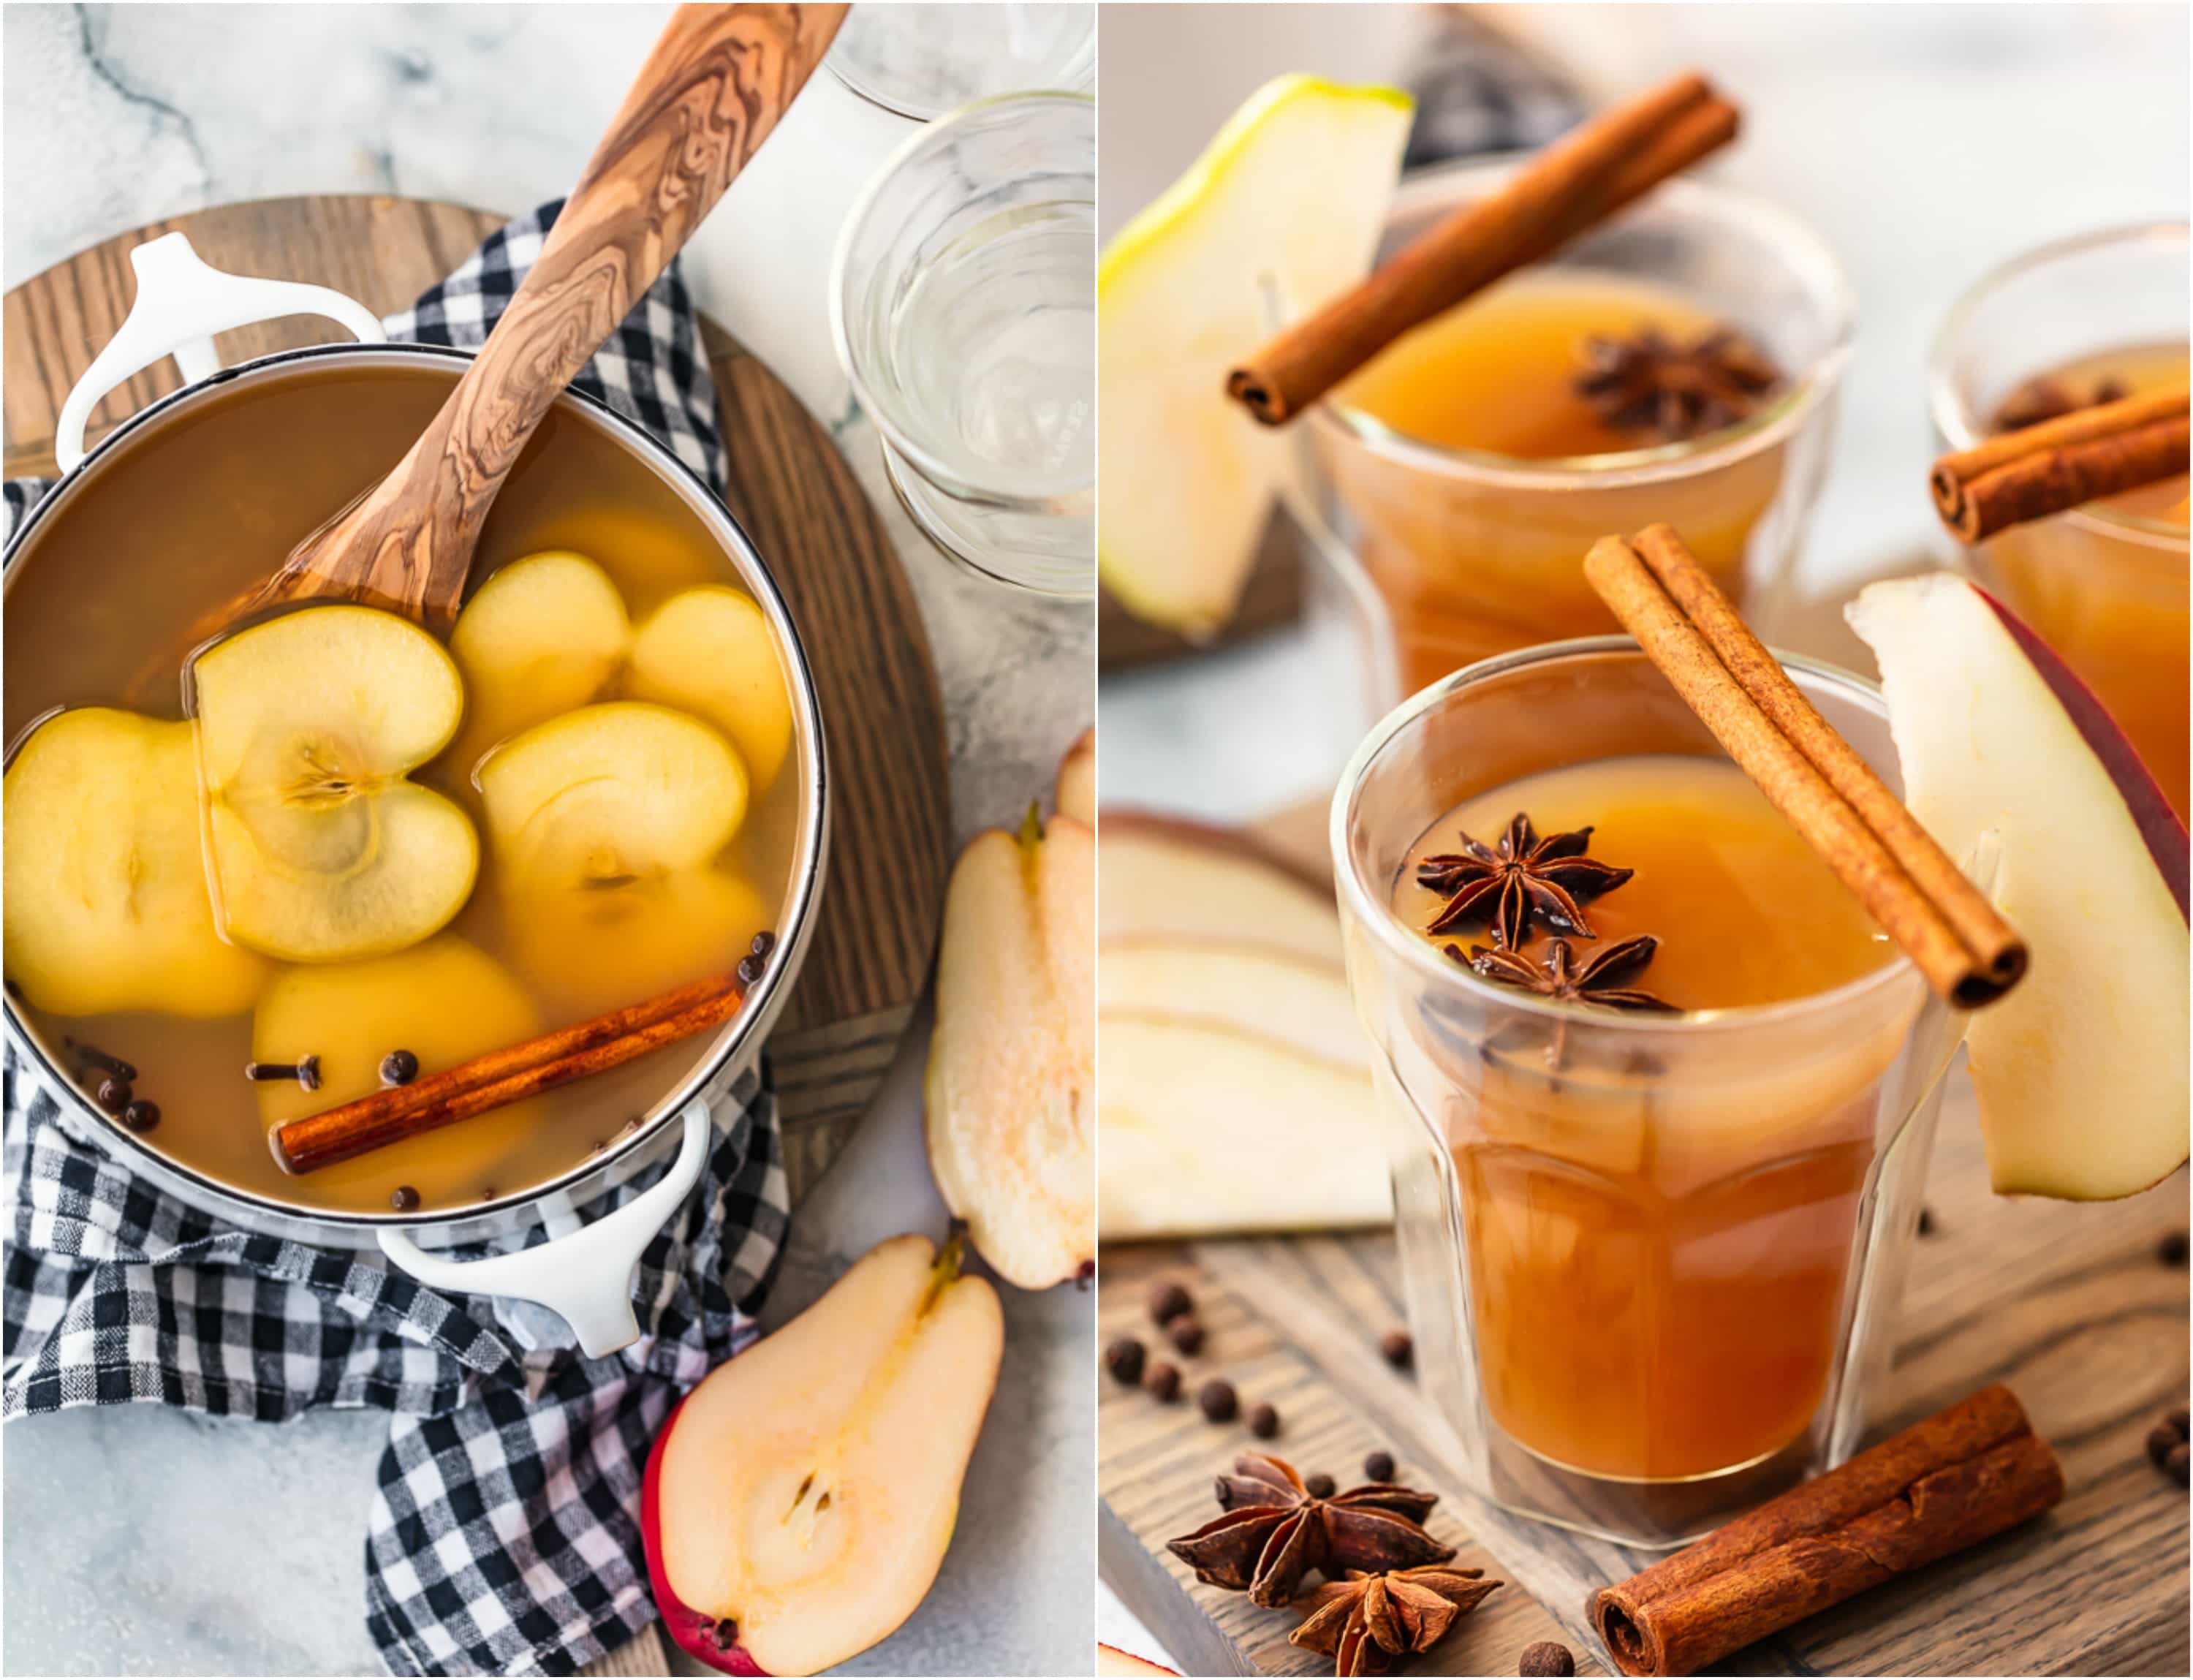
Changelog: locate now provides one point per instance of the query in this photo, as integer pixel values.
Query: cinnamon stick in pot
(2063, 464)
(1963, 1476)
(1579, 180)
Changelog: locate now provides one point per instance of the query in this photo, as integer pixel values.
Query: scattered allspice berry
(1321, 1486)
(1217, 1399)
(1163, 1381)
(2167, 1448)
(1264, 1420)
(1925, 1222)
(1124, 1360)
(1379, 1466)
(1399, 1350)
(403, 1198)
(1168, 1300)
(1545, 1657)
(1185, 1334)
(141, 1116)
(2171, 1250)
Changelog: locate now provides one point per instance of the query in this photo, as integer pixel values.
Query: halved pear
(307, 726)
(798, 1502)
(606, 823)
(446, 1002)
(1075, 794)
(107, 908)
(1280, 213)
(1010, 1095)
(708, 651)
(542, 636)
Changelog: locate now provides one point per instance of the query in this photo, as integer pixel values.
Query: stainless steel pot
(582, 1272)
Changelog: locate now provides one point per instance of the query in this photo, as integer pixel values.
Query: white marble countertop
(1926, 143)
(144, 1541)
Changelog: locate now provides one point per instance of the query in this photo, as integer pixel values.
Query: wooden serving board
(890, 798)
(2068, 1304)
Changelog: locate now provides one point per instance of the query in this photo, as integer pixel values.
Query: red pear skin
(693, 1633)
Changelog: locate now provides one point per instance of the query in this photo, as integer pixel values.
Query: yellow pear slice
(446, 1002)
(1010, 1095)
(542, 636)
(606, 823)
(708, 651)
(307, 726)
(800, 1500)
(107, 906)
(1283, 209)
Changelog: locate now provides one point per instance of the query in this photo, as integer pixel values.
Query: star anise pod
(1652, 383)
(2050, 398)
(1526, 878)
(1365, 1621)
(1274, 1532)
(1597, 980)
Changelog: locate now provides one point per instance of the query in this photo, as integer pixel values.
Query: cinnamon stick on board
(1963, 1476)
(1581, 179)
(504, 1076)
(2064, 462)
(1815, 778)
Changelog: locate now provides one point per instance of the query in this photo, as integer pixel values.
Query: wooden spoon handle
(708, 95)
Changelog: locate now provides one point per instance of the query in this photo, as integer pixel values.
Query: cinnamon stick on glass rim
(2061, 463)
(1579, 180)
(1814, 777)
(504, 1076)
(1965, 1475)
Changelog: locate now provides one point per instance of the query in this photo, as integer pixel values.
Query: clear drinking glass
(1660, 1284)
(921, 62)
(2104, 585)
(963, 302)
(1477, 553)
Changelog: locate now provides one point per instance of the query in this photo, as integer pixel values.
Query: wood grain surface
(2068, 1304)
(789, 488)
(710, 92)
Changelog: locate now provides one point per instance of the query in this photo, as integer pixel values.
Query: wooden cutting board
(890, 798)
(2068, 1304)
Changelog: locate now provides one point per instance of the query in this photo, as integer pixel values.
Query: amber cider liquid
(1471, 565)
(210, 504)
(1657, 1256)
(2105, 586)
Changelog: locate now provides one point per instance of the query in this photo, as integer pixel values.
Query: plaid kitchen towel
(502, 1536)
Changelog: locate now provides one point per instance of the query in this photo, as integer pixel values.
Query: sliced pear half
(107, 905)
(1283, 209)
(606, 823)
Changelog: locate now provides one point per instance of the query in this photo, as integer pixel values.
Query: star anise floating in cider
(1597, 979)
(1524, 880)
(1670, 392)
(1366, 1621)
(1275, 1531)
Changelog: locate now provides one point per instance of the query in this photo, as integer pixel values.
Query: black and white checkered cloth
(502, 1536)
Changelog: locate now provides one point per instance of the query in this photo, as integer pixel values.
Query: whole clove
(306, 1070)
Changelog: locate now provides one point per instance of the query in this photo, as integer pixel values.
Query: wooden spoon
(707, 96)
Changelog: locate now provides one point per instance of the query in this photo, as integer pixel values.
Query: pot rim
(749, 1026)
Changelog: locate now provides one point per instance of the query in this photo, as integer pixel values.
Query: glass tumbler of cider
(1656, 1155)
(1470, 464)
(2080, 321)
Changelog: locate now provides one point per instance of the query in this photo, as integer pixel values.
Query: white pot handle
(584, 1275)
(181, 304)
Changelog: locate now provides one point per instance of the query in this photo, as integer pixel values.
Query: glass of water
(921, 62)
(963, 302)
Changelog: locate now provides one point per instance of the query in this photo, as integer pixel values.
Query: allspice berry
(2172, 1249)
(1124, 1360)
(1399, 1350)
(1264, 1420)
(2161, 1441)
(1217, 1399)
(114, 1095)
(1545, 1657)
(1379, 1466)
(2179, 1465)
(1168, 1300)
(1163, 1381)
(1185, 1334)
(1320, 1486)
